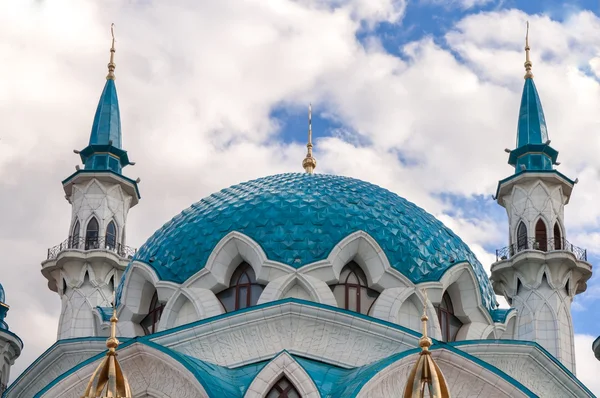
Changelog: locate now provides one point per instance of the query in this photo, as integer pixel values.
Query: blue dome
(298, 218)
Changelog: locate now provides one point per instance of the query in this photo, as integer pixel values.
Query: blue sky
(419, 97)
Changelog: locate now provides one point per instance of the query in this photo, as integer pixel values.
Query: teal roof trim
(107, 120)
(298, 218)
(532, 123)
(525, 172)
(105, 313)
(499, 314)
(78, 172)
(531, 344)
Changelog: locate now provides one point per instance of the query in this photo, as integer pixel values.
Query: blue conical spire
(104, 151)
(533, 151)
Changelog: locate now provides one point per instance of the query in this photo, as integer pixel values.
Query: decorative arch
(110, 237)
(558, 237)
(521, 240)
(92, 234)
(352, 292)
(283, 365)
(75, 235)
(155, 310)
(449, 322)
(316, 290)
(541, 235)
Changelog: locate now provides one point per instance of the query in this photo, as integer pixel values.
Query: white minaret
(540, 272)
(10, 345)
(86, 268)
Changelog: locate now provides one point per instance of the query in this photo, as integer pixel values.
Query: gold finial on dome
(111, 63)
(528, 73)
(425, 374)
(309, 163)
(108, 381)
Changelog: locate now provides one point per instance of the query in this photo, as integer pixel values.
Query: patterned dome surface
(298, 218)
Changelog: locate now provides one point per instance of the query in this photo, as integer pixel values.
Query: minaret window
(541, 236)
(111, 236)
(557, 238)
(521, 236)
(75, 236)
(352, 292)
(91, 234)
(243, 290)
(449, 323)
(283, 389)
(150, 322)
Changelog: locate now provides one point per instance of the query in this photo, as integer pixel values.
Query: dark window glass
(75, 236)
(111, 236)
(283, 389)
(150, 322)
(449, 323)
(557, 238)
(541, 236)
(521, 236)
(91, 234)
(243, 289)
(352, 292)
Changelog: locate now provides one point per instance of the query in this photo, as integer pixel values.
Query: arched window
(91, 234)
(558, 242)
(283, 389)
(352, 292)
(150, 322)
(243, 289)
(75, 236)
(521, 237)
(449, 323)
(111, 236)
(541, 236)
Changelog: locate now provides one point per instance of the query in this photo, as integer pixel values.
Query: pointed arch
(521, 237)
(449, 322)
(283, 388)
(352, 292)
(541, 235)
(150, 322)
(110, 237)
(243, 291)
(92, 231)
(283, 365)
(75, 235)
(558, 239)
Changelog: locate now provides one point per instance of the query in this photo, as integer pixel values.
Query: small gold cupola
(108, 381)
(309, 163)
(425, 375)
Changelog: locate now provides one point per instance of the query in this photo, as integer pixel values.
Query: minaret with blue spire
(86, 267)
(10, 344)
(540, 271)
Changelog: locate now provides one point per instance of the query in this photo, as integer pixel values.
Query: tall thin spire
(309, 163)
(528, 74)
(425, 374)
(111, 63)
(108, 380)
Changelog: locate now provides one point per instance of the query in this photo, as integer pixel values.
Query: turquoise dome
(298, 218)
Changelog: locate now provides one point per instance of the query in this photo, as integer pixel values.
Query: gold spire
(309, 163)
(111, 63)
(108, 381)
(528, 74)
(425, 373)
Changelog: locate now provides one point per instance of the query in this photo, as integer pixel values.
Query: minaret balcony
(550, 245)
(94, 243)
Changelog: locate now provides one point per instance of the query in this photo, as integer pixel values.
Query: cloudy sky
(418, 96)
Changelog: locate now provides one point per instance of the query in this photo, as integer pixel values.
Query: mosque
(307, 285)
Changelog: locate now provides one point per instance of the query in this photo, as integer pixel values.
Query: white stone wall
(532, 199)
(103, 200)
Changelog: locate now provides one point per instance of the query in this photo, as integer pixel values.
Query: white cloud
(588, 367)
(198, 80)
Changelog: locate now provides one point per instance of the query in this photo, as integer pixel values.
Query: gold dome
(426, 374)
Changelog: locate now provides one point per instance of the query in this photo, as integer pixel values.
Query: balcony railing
(94, 243)
(549, 245)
